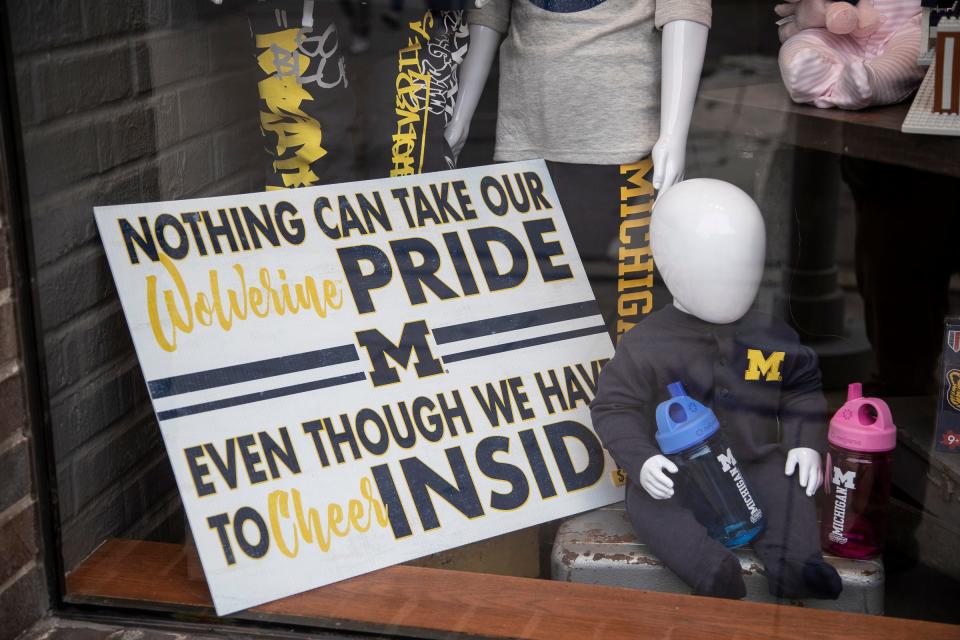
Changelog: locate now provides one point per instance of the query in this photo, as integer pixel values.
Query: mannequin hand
(669, 156)
(472, 76)
(811, 471)
(683, 48)
(653, 479)
(456, 134)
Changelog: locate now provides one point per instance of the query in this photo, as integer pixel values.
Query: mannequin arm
(473, 73)
(808, 462)
(684, 46)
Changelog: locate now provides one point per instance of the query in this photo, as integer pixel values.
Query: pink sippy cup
(857, 476)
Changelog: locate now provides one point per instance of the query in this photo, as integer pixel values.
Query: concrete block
(600, 547)
(212, 105)
(43, 25)
(157, 483)
(80, 347)
(59, 156)
(23, 602)
(248, 182)
(238, 150)
(66, 502)
(23, 70)
(158, 12)
(9, 336)
(76, 82)
(125, 136)
(70, 213)
(15, 463)
(189, 13)
(82, 534)
(18, 537)
(118, 451)
(231, 46)
(80, 414)
(117, 510)
(115, 17)
(72, 285)
(166, 523)
(185, 172)
(172, 57)
(6, 275)
(13, 417)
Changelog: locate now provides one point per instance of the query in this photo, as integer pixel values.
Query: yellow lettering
(226, 321)
(633, 259)
(277, 507)
(202, 311)
(306, 524)
(256, 300)
(760, 365)
(355, 511)
(334, 518)
(366, 490)
(638, 169)
(626, 304)
(298, 136)
(183, 306)
(310, 525)
(232, 295)
(178, 322)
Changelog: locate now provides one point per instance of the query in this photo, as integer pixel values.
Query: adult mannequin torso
(576, 118)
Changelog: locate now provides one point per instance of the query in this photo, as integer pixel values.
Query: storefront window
(780, 390)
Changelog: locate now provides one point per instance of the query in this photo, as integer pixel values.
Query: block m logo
(413, 341)
(844, 480)
(727, 461)
(760, 365)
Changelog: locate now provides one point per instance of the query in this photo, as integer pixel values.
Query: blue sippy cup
(689, 434)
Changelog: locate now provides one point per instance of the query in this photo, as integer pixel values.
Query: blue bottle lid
(682, 422)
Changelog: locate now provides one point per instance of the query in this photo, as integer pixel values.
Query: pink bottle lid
(863, 424)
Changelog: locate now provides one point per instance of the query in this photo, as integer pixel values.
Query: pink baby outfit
(830, 70)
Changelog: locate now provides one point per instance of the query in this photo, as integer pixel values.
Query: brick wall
(121, 101)
(23, 596)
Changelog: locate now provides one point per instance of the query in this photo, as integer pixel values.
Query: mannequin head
(709, 243)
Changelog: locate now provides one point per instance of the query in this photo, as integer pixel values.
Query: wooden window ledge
(436, 603)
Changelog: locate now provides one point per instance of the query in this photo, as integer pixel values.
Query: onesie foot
(822, 580)
(725, 581)
(809, 72)
(855, 86)
(814, 578)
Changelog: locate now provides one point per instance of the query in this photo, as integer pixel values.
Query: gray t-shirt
(580, 79)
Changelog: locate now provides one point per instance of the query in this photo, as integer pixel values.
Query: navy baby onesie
(764, 387)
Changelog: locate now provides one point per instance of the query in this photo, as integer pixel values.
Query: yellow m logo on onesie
(761, 365)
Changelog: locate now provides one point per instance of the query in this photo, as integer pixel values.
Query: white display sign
(356, 375)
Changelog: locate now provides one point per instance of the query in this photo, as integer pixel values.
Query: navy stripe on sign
(514, 321)
(166, 387)
(270, 394)
(523, 344)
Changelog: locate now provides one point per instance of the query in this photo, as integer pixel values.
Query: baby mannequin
(869, 66)
(763, 385)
